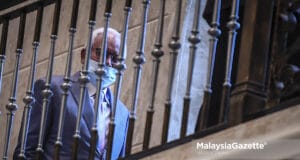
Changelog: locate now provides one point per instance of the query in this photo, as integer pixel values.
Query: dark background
(8, 3)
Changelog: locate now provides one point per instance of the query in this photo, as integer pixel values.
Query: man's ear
(82, 55)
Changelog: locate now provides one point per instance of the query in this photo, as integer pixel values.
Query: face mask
(108, 79)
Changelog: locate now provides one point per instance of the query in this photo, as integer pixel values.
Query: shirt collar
(92, 89)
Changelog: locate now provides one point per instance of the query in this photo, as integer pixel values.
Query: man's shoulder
(56, 80)
(122, 106)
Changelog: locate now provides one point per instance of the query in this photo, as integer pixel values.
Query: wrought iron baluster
(84, 77)
(174, 45)
(100, 73)
(67, 81)
(194, 39)
(121, 66)
(139, 60)
(12, 106)
(157, 53)
(47, 97)
(214, 32)
(29, 99)
(47, 93)
(3, 48)
(65, 86)
(232, 25)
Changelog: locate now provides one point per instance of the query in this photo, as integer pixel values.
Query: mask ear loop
(93, 65)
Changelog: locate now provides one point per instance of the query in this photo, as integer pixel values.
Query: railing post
(157, 53)
(121, 66)
(29, 99)
(84, 76)
(249, 94)
(53, 37)
(100, 73)
(67, 81)
(12, 106)
(194, 39)
(3, 48)
(55, 25)
(139, 60)
(214, 32)
(47, 93)
(233, 25)
(83, 80)
(174, 45)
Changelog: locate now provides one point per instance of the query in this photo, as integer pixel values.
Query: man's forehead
(113, 42)
(111, 37)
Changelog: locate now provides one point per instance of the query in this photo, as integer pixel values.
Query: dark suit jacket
(121, 120)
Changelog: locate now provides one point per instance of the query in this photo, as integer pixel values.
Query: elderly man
(121, 116)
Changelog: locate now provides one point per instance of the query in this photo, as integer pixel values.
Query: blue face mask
(108, 79)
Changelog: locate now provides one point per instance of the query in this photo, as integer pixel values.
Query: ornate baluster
(3, 48)
(47, 97)
(121, 66)
(174, 45)
(101, 72)
(156, 53)
(84, 78)
(29, 99)
(47, 93)
(65, 86)
(194, 39)
(214, 32)
(53, 37)
(139, 60)
(12, 106)
(232, 25)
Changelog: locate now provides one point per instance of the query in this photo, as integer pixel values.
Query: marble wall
(127, 87)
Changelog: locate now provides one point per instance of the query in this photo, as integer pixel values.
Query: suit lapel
(87, 110)
(121, 117)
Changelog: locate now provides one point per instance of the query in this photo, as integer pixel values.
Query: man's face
(112, 52)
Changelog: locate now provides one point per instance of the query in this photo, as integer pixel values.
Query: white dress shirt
(103, 116)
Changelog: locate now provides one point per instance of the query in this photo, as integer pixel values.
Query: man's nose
(108, 61)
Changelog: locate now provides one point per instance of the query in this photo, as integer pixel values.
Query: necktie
(102, 123)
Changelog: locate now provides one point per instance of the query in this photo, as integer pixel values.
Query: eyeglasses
(113, 55)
